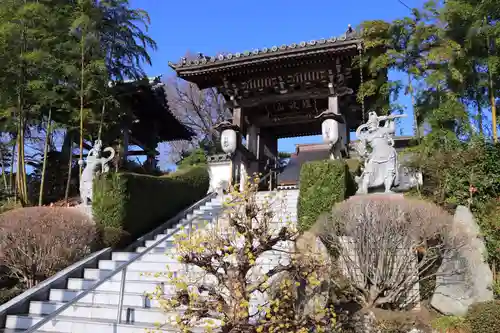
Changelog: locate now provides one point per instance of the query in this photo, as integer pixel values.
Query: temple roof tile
(347, 40)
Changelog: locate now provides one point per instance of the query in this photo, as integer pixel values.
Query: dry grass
(403, 321)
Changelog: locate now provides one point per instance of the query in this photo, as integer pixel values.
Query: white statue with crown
(381, 165)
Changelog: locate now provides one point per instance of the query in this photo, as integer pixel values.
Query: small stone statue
(96, 164)
(381, 162)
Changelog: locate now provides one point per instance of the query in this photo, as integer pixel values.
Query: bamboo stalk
(45, 151)
(82, 78)
(70, 168)
(2, 165)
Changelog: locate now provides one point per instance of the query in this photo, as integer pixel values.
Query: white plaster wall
(219, 173)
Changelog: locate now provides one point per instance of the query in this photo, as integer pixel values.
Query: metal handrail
(123, 269)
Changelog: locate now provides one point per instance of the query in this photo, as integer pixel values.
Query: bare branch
(387, 244)
(233, 249)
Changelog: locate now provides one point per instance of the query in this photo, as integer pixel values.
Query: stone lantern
(333, 130)
(228, 137)
(224, 168)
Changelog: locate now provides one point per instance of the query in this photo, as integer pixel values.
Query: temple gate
(302, 89)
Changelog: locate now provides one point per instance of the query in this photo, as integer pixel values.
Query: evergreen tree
(57, 57)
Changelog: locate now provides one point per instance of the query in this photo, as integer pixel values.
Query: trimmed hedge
(484, 317)
(128, 205)
(322, 185)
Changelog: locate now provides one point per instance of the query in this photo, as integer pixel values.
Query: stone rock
(464, 277)
(366, 322)
(308, 245)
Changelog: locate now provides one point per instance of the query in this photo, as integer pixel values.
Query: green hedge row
(128, 205)
(322, 185)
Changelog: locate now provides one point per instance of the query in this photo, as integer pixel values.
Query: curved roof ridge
(349, 37)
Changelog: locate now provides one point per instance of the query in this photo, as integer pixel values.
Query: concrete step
(130, 315)
(9, 330)
(98, 274)
(103, 297)
(158, 249)
(206, 215)
(277, 198)
(275, 202)
(159, 262)
(168, 243)
(197, 220)
(149, 257)
(185, 230)
(63, 324)
(142, 266)
(131, 286)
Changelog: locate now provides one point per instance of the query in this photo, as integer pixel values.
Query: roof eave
(259, 56)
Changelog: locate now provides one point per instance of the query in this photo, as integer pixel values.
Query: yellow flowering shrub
(226, 284)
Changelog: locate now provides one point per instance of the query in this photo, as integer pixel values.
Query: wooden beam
(268, 99)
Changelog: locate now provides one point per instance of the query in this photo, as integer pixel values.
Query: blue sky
(230, 26)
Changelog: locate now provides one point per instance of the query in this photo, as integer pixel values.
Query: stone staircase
(97, 311)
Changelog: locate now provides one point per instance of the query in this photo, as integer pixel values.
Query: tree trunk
(478, 103)
(21, 180)
(416, 128)
(11, 176)
(240, 297)
(4, 176)
(21, 168)
(45, 151)
(70, 168)
(491, 91)
(82, 91)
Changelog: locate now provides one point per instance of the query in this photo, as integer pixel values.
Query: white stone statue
(381, 166)
(95, 164)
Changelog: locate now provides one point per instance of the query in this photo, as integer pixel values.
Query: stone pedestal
(220, 171)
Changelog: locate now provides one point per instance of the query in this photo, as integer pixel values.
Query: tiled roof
(349, 38)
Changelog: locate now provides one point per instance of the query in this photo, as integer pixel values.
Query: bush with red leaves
(36, 242)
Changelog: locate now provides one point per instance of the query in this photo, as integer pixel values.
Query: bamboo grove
(57, 58)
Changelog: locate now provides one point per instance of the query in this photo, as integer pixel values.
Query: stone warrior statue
(96, 164)
(381, 163)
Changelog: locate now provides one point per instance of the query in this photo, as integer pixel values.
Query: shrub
(451, 324)
(228, 278)
(129, 205)
(322, 184)
(388, 232)
(6, 294)
(9, 204)
(195, 157)
(488, 218)
(36, 242)
(467, 174)
(484, 317)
